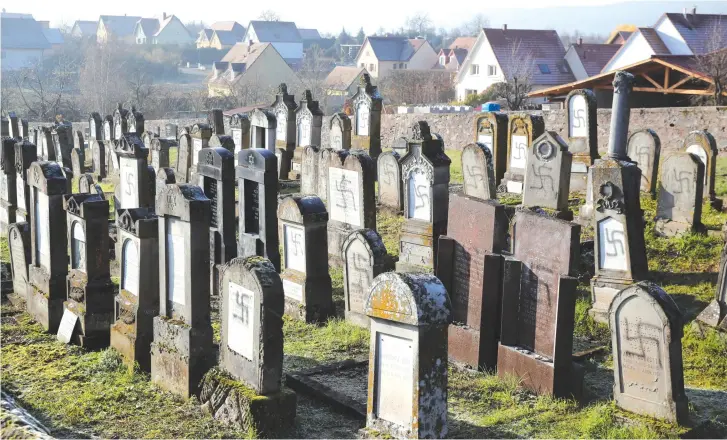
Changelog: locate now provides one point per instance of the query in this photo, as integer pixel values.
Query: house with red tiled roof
(499, 55)
(382, 55)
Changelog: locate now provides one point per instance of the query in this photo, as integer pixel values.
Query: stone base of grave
(44, 298)
(412, 268)
(468, 347)
(542, 377)
(511, 183)
(17, 300)
(359, 319)
(603, 290)
(340, 384)
(180, 356)
(132, 348)
(233, 403)
(714, 315)
(578, 181)
(585, 215)
(560, 215)
(668, 228)
(392, 210)
(307, 298)
(674, 411)
(93, 302)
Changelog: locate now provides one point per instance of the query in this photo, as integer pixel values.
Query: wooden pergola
(671, 74)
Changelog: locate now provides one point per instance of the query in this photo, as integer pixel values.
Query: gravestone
(351, 201)
(62, 144)
(618, 219)
(86, 184)
(137, 302)
(216, 121)
(135, 122)
(108, 128)
(90, 291)
(262, 129)
(19, 244)
(222, 141)
(8, 185)
(339, 134)
(478, 171)
(160, 152)
(701, 143)
(538, 306)
(400, 146)
(645, 149)
(164, 177)
(25, 154)
(491, 131)
(328, 158)
(46, 150)
(200, 134)
(284, 110)
(121, 125)
(582, 135)
(95, 126)
(679, 198)
(257, 180)
(240, 132)
(367, 105)
(170, 131)
(23, 128)
(184, 158)
(78, 160)
(364, 256)
(49, 265)
(646, 338)
(78, 142)
(133, 190)
(98, 149)
(112, 160)
(306, 282)
(308, 125)
(522, 130)
(715, 314)
(216, 172)
(182, 350)
(391, 191)
(146, 138)
(407, 387)
(547, 178)
(425, 179)
(310, 160)
(13, 129)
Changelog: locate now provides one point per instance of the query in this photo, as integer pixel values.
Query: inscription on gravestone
(394, 377)
(240, 316)
(344, 196)
(419, 197)
(175, 261)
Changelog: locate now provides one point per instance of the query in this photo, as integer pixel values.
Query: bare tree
(269, 15)
(313, 73)
(419, 24)
(473, 26)
(140, 84)
(417, 87)
(518, 68)
(713, 63)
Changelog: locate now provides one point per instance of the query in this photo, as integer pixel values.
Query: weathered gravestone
(310, 159)
(216, 121)
(339, 134)
(645, 148)
(618, 219)
(407, 389)
(120, 122)
(391, 190)
(135, 121)
(328, 158)
(19, 244)
(112, 159)
(715, 314)
(108, 128)
(364, 256)
(582, 135)
(367, 105)
(478, 170)
(137, 302)
(701, 143)
(216, 171)
(8, 186)
(78, 142)
(133, 190)
(240, 132)
(25, 155)
(146, 138)
(170, 131)
(351, 200)
(90, 291)
(222, 141)
(308, 124)
(49, 266)
(522, 130)
(646, 335)
(13, 129)
(306, 282)
(78, 161)
(98, 149)
(679, 198)
(547, 178)
(200, 134)
(470, 267)
(262, 129)
(184, 158)
(491, 131)
(251, 351)
(182, 350)
(95, 126)
(400, 146)
(284, 110)
(164, 177)
(86, 184)
(160, 152)
(425, 178)
(257, 179)
(62, 138)
(46, 151)
(538, 306)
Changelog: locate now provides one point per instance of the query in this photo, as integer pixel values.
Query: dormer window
(544, 69)
(442, 60)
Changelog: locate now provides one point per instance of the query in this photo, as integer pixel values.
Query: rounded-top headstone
(409, 298)
(303, 209)
(479, 172)
(224, 141)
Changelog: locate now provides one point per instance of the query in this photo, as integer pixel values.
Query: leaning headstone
(19, 244)
(284, 111)
(222, 141)
(351, 200)
(491, 131)
(425, 178)
(306, 281)
(78, 160)
(262, 129)
(120, 122)
(339, 134)
(391, 191)
(251, 351)
(645, 149)
(364, 256)
(137, 302)
(216, 121)
(90, 291)
(160, 152)
(646, 335)
(547, 178)
(328, 158)
(538, 306)
(49, 266)
(98, 149)
(407, 386)
(240, 132)
(135, 122)
(701, 143)
(582, 135)
(715, 314)
(164, 177)
(8, 186)
(478, 171)
(310, 160)
(25, 155)
(522, 130)
(95, 128)
(200, 134)
(679, 197)
(133, 189)
(257, 179)
(367, 105)
(182, 350)
(618, 219)
(184, 158)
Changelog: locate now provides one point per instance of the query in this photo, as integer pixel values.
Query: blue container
(490, 107)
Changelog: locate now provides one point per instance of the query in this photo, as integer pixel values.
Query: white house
(23, 41)
(120, 27)
(82, 28)
(499, 54)
(283, 35)
(381, 55)
(169, 31)
(145, 29)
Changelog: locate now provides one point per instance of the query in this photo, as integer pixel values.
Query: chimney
(580, 41)
(164, 15)
(249, 46)
(504, 27)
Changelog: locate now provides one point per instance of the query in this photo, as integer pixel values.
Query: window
(563, 67)
(475, 69)
(491, 70)
(371, 67)
(544, 68)
(394, 66)
(469, 92)
(405, 66)
(442, 60)
(363, 65)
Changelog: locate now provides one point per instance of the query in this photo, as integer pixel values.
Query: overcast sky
(327, 16)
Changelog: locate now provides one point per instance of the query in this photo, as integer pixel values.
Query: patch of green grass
(389, 227)
(173, 153)
(455, 170)
(720, 184)
(705, 358)
(4, 250)
(335, 340)
(586, 327)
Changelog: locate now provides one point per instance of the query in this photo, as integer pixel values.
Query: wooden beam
(648, 78)
(682, 81)
(670, 91)
(666, 76)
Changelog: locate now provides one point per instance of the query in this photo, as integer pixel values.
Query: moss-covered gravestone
(491, 131)
(407, 387)
(251, 351)
(702, 144)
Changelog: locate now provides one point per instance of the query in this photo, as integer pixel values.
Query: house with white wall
(587, 59)
(283, 35)
(23, 41)
(119, 27)
(382, 55)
